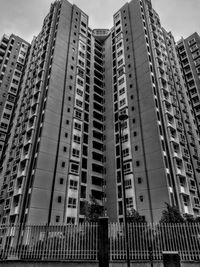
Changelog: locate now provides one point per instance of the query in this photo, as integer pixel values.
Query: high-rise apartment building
(65, 142)
(160, 141)
(189, 55)
(13, 52)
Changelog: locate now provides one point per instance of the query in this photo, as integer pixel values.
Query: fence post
(103, 242)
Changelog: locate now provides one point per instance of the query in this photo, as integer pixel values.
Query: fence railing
(153, 239)
(59, 242)
(81, 242)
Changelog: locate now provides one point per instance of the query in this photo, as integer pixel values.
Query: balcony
(168, 109)
(170, 123)
(17, 191)
(180, 171)
(21, 172)
(2, 52)
(25, 157)
(177, 154)
(14, 211)
(184, 190)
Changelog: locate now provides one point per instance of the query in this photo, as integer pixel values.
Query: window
(77, 126)
(79, 103)
(57, 218)
(21, 60)
(18, 74)
(6, 116)
(141, 198)
(74, 168)
(72, 203)
(11, 98)
(122, 102)
(4, 126)
(125, 152)
(65, 149)
(79, 92)
(120, 62)
(192, 41)
(121, 81)
(78, 114)
(14, 81)
(137, 163)
(128, 184)
(189, 167)
(122, 91)
(22, 53)
(75, 153)
(139, 180)
(80, 72)
(84, 177)
(61, 180)
(119, 45)
(73, 185)
(82, 46)
(70, 220)
(80, 82)
(120, 71)
(59, 199)
(63, 164)
(77, 139)
(81, 54)
(129, 202)
(13, 90)
(120, 53)
(127, 168)
(82, 30)
(81, 63)
(124, 138)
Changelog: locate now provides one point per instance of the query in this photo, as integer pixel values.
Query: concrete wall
(152, 170)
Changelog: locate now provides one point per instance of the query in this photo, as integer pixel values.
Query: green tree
(171, 215)
(92, 210)
(189, 218)
(134, 217)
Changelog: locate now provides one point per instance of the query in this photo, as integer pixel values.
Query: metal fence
(64, 242)
(80, 242)
(150, 240)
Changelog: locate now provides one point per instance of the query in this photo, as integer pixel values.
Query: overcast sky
(24, 17)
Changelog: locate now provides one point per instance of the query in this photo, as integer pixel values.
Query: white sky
(25, 17)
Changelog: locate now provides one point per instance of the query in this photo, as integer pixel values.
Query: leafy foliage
(134, 217)
(92, 210)
(171, 215)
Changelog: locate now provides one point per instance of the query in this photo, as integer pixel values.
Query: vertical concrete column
(103, 242)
